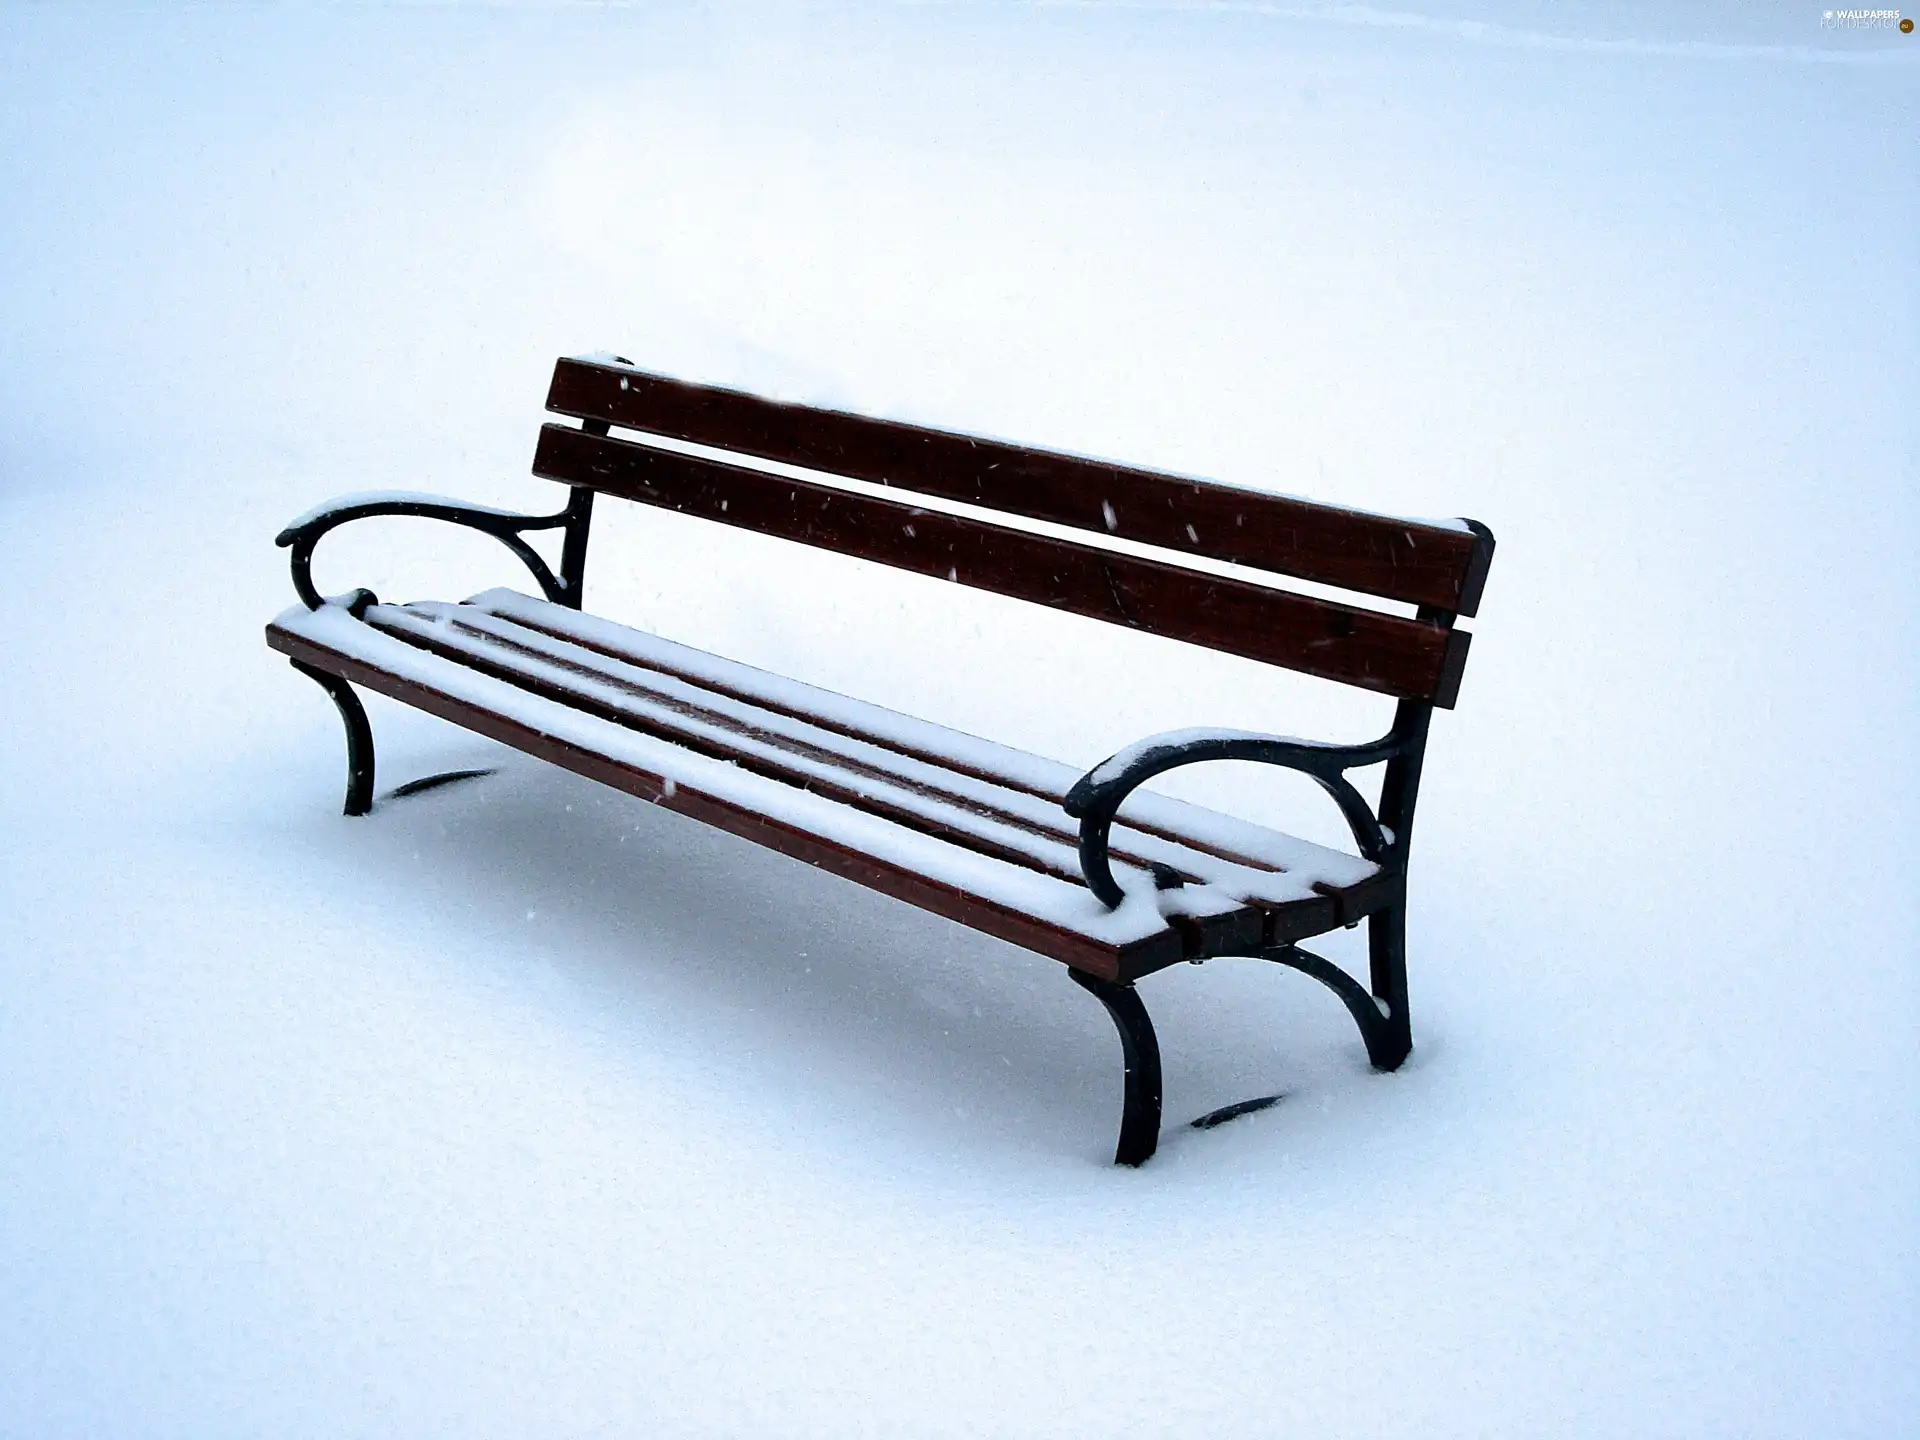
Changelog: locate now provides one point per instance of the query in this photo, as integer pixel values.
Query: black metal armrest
(1098, 795)
(504, 525)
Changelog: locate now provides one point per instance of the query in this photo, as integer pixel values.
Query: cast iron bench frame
(1438, 567)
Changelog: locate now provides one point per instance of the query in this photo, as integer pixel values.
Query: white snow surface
(522, 1107)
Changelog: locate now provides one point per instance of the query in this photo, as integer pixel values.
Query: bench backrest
(1438, 567)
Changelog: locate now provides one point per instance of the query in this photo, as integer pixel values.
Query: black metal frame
(1140, 1053)
(566, 588)
(1095, 800)
(359, 737)
(1383, 836)
(563, 589)
(1383, 1030)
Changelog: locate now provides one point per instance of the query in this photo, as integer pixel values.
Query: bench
(1112, 880)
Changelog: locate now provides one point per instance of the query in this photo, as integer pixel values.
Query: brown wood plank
(1384, 653)
(1404, 560)
(974, 911)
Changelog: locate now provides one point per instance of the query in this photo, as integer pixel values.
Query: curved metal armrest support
(505, 526)
(1098, 795)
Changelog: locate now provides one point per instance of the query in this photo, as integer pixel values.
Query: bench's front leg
(359, 737)
(1140, 1109)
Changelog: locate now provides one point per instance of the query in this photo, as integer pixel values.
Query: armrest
(303, 533)
(1098, 795)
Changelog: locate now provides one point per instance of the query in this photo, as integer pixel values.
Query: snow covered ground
(519, 1108)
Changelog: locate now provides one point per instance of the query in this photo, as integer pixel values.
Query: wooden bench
(1113, 880)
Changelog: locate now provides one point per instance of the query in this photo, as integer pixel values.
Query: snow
(1304, 861)
(1123, 759)
(391, 497)
(520, 1105)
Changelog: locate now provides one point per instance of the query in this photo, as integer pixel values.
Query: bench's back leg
(1140, 1108)
(1387, 961)
(1387, 929)
(573, 547)
(359, 737)
(1384, 1034)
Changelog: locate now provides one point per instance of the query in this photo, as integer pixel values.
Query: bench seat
(962, 826)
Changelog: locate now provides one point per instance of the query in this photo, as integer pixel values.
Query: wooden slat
(1384, 653)
(1082, 952)
(1406, 560)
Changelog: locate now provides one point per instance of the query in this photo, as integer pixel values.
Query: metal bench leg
(1387, 958)
(1140, 1111)
(1386, 1033)
(359, 737)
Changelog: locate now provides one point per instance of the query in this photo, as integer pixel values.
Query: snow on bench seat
(960, 825)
